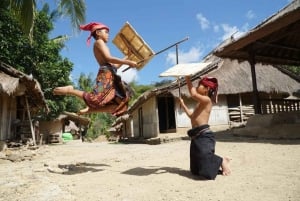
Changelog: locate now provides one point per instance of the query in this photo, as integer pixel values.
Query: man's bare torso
(99, 57)
(201, 114)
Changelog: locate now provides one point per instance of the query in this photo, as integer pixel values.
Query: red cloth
(93, 26)
(211, 83)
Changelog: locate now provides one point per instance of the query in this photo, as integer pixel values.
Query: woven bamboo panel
(130, 43)
(184, 69)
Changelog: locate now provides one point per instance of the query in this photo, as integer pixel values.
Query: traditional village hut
(67, 122)
(21, 98)
(275, 85)
(156, 112)
(274, 41)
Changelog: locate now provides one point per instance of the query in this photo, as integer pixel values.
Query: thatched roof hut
(150, 93)
(16, 83)
(85, 121)
(65, 122)
(21, 96)
(274, 41)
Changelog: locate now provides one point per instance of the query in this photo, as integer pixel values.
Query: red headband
(93, 26)
(212, 83)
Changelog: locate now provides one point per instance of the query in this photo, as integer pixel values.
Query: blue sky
(162, 23)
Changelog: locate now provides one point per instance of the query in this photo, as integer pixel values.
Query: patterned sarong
(109, 89)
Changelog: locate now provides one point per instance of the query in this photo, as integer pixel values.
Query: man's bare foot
(84, 111)
(119, 111)
(225, 166)
(62, 90)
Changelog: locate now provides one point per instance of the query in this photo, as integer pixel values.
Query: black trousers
(203, 160)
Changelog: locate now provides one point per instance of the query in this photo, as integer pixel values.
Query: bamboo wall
(271, 106)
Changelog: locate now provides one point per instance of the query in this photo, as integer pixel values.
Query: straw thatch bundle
(16, 83)
(8, 84)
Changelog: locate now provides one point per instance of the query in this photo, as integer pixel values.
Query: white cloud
(228, 31)
(245, 27)
(224, 29)
(193, 55)
(129, 75)
(233, 31)
(204, 23)
(250, 14)
(216, 28)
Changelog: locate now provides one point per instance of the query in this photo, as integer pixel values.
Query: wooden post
(31, 126)
(179, 91)
(177, 61)
(252, 62)
(241, 109)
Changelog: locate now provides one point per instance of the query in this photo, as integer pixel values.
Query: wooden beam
(252, 62)
(31, 126)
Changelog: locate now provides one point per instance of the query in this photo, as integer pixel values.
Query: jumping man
(109, 94)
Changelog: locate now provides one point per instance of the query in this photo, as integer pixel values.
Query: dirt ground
(261, 170)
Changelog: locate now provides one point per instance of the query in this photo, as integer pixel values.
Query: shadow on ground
(141, 171)
(78, 168)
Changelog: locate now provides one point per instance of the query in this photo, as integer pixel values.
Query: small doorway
(166, 114)
(141, 133)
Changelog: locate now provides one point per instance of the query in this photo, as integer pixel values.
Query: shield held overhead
(130, 43)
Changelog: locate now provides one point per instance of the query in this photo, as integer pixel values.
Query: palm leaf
(24, 10)
(75, 9)
(60, 39)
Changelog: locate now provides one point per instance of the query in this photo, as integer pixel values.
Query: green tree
(40, 58)
(85, 83)
(163, 82)
(293, 69)
(25, 12)
(138, 90)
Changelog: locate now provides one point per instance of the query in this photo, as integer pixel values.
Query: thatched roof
(85, 121)
(269, 78)
(274, 41)
(16, 83)
(121, 119)
(235, 77)
(8, 84)
(150, 93)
